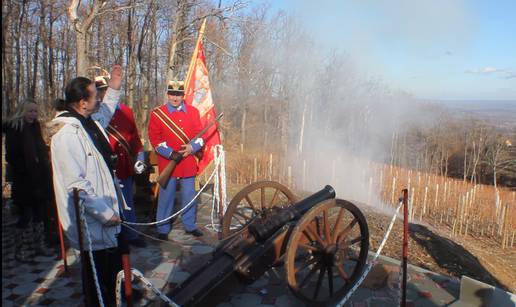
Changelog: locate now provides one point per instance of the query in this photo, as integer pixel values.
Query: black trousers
(30, 212)
(108, 262)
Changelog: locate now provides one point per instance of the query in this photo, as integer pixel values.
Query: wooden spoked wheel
(256, 199)
(327, 252)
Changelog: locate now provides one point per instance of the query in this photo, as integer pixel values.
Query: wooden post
(289, 174)
(412, 209)
(255, 177)
(270, 166)
(393, 189)
(303, 179)
(424, 201)
(436, 200)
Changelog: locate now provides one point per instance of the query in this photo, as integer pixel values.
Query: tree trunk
(177, 37)
(131, 63)
(7, 76)
(19, 70)
(82, 54)
(242, 126)
(32, 91)
(51, 68)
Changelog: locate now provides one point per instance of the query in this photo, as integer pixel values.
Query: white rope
(178, 212)
(90, 253)
(219, 185)
(135, 273)
(371, 264)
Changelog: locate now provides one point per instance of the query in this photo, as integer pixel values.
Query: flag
(198, 94)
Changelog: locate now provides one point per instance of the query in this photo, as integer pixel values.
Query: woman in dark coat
(28, 164)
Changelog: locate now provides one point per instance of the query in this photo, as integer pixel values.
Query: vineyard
(460, 207)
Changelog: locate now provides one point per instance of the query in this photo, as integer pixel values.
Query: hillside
(499, 113)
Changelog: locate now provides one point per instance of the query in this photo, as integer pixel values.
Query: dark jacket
(27, 156)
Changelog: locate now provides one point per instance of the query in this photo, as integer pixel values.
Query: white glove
(139, 167)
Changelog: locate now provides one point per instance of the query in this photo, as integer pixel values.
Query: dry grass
(463, 208)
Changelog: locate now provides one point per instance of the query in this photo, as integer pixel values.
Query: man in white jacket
(82, 159)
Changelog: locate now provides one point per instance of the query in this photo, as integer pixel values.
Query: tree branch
(118, 9)
(94, 13)
(220, 47)
(214, 13)
(72, 14)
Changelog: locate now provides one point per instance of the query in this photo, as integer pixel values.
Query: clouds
(503, 73)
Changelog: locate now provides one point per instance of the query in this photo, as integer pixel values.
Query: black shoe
(138, 243)
(163, 236)
(195, 233)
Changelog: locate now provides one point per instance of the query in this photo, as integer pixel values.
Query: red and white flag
(198, 94)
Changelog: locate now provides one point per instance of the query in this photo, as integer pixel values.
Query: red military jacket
(124, 139)
(188, 122)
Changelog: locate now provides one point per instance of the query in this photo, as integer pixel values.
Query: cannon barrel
(248, 255)
(262, 229)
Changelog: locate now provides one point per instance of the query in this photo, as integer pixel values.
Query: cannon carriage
(322, 243)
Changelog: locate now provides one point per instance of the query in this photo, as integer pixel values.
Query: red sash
(171, 125)
(120, 139)
(163, 117)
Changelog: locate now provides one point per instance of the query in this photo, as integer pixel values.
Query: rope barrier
(219, 161)
(135, 273)
(90, 253)
(219, 184)
(219, 187)
(182, 209)
(372, 263)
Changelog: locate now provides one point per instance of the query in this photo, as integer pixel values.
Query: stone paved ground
(167, 264)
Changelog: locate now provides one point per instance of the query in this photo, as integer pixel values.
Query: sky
(433, 49)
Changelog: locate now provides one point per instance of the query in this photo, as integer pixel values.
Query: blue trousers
(128, 215)
(166, 204)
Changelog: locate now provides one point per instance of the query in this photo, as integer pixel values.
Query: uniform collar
(181, 107)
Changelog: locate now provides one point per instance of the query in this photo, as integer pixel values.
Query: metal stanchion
(403, 302)
(84, 265)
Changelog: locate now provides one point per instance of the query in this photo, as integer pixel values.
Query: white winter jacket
(76, 163)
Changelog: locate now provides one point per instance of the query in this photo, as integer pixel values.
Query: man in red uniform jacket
(126, 144)
(171, 129)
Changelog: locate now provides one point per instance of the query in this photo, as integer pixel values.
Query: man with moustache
(82, 159)
(171, 127)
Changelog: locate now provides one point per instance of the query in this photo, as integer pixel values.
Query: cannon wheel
(255, 199)
(327, 252)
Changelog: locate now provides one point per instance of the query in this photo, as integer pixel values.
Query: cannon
(322, 242)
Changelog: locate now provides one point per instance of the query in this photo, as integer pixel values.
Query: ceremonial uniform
(169, 128)
(126, 144)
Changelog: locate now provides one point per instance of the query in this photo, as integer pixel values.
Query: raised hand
(116, 77)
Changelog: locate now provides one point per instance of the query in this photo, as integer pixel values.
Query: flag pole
(196, 51)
